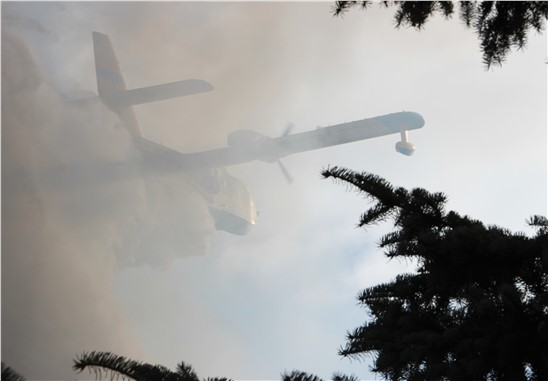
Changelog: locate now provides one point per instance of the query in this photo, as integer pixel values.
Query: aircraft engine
(404, 146)
(254, 142)
(245, 138)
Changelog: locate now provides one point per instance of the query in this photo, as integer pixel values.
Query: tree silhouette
(297, 375)
(500, 25)
(114, 365)
(477, 306)
(9, 374)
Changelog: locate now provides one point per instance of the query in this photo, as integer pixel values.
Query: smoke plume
(75, 208)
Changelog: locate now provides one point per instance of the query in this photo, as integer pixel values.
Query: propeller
(284, 170)
(288, 129)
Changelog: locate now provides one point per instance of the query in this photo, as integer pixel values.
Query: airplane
(229, 201)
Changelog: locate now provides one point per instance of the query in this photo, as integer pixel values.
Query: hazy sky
(282, 297)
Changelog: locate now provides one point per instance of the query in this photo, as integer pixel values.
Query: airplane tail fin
(109, 75)
(110, 82)
(112, 89)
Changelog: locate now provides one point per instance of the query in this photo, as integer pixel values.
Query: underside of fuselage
(229, 222)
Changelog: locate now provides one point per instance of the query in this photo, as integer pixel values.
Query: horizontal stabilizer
(157, 93)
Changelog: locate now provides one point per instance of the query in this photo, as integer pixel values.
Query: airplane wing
(245, 146)
(349, 132)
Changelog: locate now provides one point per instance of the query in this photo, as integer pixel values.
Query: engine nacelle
(245, 138)
(255, 144)
(405, 148)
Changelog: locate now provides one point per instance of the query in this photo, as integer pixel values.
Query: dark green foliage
(9, 374)
(342, 377)
(477, 306)
(500, 25)
(119, 366)
(297, 375)
(187, 371)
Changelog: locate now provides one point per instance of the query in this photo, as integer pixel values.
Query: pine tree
(500, 25)
(115, 366)
(476, 307)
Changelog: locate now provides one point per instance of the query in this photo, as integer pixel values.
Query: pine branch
(499, 25)
(297, 375)
(540, 223)
(341, 7)
(414, 13)
(377, 213)
(111, 364)
(187, 372)
(467, 12)
(9, 374)
(372, 185)
(343, 377)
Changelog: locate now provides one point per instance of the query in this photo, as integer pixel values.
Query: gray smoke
(77, 207)
(69, 220)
